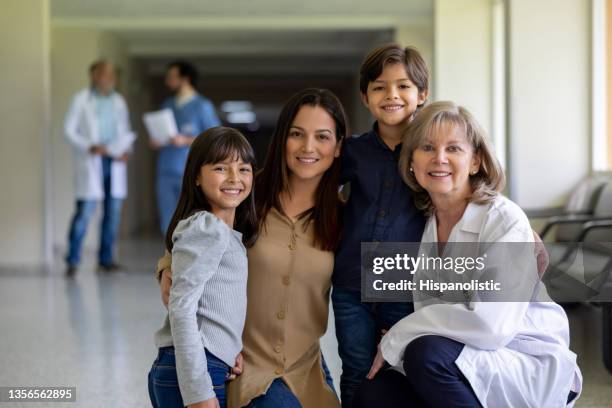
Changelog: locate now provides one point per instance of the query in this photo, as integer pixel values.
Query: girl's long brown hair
(273, 178)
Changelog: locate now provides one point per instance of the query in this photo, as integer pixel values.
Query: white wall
(549, 93)
(420, 36)
(24, 118)
(462, 55)
(72, 51)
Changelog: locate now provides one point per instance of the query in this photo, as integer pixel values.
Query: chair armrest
(599, 223)
(565, 219)
(545, 212)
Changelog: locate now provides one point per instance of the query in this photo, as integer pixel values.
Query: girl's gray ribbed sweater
(207, 304)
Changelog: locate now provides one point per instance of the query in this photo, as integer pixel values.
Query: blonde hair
(488, 181)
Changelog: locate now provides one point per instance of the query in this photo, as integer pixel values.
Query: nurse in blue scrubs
(194, 114)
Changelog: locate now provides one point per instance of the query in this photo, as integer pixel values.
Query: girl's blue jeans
(164, 390)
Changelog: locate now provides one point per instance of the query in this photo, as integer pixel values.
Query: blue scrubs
(192, 118)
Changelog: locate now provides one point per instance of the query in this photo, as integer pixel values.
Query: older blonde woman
(470, 354)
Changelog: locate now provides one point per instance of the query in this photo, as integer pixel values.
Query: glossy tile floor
(95, 332)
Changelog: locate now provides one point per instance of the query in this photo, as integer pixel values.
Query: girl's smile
(226, 184)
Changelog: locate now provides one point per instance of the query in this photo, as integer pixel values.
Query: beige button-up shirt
(287, 308)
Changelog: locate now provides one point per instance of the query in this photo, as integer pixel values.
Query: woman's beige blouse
(287, 308)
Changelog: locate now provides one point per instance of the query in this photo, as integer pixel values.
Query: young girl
(201, 337)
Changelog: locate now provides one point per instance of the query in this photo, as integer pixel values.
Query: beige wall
(24, 33)
(72, 51)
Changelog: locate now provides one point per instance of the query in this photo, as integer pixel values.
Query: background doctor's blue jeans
(164, 390)
(108, 228)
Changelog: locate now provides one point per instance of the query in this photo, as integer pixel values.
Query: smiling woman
(448, 153)
(471, 353)
(312, 145)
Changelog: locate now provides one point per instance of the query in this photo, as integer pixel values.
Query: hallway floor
(95, 332)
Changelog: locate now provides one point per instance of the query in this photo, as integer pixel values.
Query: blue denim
(358, 330)
(108, 227)
(280, 396)
(164, 390)
(168, 189)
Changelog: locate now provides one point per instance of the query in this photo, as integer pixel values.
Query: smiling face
(225, 184)
(392, 98)
(443, 163)
(311, 145)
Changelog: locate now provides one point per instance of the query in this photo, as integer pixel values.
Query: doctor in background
(97, 126)
(471, 353)
(194, 114)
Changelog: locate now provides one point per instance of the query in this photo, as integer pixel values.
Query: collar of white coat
(473, 218)
(471, 222)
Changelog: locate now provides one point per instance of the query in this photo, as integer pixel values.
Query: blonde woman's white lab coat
(516, 354)
(81, 130)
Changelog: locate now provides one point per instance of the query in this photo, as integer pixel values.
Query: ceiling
(246, 8)
(320, 37)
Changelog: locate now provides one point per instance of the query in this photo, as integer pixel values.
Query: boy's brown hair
(375, 62)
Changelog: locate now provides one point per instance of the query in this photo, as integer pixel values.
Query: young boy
(394, 85)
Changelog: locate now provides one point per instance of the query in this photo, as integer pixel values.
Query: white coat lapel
(90, 117)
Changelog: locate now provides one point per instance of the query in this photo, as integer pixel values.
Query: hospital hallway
(95, 332)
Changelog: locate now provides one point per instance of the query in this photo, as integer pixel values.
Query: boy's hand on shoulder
(165, 283)
(237, 368)
(541, 254)
(209, 403)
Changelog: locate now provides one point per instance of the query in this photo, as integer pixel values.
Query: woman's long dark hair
(213, 146)
(273, 178)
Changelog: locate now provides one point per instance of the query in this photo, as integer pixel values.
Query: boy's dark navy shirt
(380, 206)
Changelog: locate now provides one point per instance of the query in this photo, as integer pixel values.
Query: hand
(181, 140)
(541, 254)
(155, 145)
(209, 403)
(237, 368)
(379, 362)
(98, 150)
(165, 283)
(124, 157)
